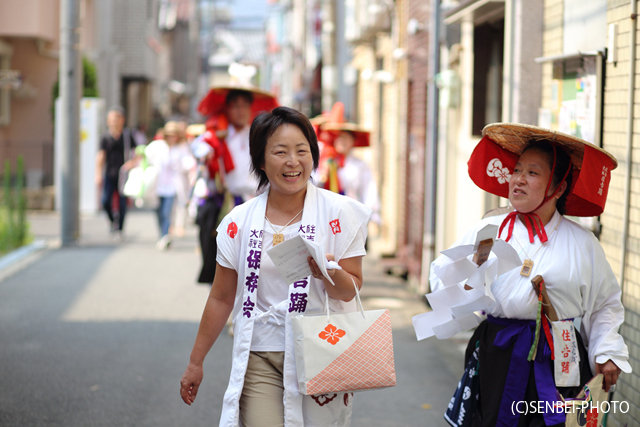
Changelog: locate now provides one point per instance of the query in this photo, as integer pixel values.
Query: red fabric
(591, 186)
(360, 139)
(325, 137)
(336, 116)
(220, 153)
(545, 322)
(531, 221)
(214, 102)
(330, 152)
(490, 168)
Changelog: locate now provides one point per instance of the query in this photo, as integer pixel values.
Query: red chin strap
(531, 220)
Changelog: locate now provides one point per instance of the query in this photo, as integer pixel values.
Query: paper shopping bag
(343, 352)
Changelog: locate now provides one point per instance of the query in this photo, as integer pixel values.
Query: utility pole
(70, 79)
(329, 55)
(431, 159)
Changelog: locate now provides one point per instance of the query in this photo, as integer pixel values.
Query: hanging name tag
(565, 350)
(278, 238)
(527, 265)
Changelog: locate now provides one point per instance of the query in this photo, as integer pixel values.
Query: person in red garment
(229, 111)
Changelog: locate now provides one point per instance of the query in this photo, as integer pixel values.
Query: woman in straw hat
(339, 170)
(523, 352)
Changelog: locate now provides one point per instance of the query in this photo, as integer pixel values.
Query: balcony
(366, 19)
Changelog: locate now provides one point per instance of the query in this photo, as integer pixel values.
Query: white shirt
(268, 335)
(172, 164)
(240, 181)
(358, 183)
(579, 281)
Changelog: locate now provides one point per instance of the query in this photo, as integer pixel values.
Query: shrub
(14, 228)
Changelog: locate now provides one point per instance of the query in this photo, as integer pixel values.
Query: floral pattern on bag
(332, 334)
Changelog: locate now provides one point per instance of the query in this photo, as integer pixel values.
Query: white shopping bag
(134, 184)
(343, 352)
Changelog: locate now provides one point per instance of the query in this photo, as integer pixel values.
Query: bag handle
(358, 301)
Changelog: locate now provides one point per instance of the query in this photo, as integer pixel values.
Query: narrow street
(99, 335)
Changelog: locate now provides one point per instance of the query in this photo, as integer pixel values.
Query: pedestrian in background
(263, 389)
(116, 156)
(173, 161)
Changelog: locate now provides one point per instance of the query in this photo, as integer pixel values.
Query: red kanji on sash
(335, 226)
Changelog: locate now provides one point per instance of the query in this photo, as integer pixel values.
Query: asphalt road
(99, 335)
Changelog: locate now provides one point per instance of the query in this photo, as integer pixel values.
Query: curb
(17, 255)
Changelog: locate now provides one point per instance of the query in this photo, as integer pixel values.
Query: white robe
(333, 221)
(579, 281)
(358, 183)
(240, 181)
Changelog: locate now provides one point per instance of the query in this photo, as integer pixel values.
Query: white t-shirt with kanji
(268, 332)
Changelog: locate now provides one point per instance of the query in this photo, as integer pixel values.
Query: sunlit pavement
(99, 334)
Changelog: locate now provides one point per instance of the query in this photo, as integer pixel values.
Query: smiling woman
(247, 285)
(287, 162)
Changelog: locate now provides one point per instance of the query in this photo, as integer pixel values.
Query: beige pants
(261, 400)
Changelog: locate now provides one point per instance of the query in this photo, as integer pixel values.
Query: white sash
(328, 219)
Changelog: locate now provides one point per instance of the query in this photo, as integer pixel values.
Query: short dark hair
(238, 93)
(265, 125)
(563, 162)
(117, 109)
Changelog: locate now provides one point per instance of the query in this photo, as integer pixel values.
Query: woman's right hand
(190, 383)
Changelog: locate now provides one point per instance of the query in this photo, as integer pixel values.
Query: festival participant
(263, 388)
(229, 111)
(545, 175)
(339, 170)
(345, 173)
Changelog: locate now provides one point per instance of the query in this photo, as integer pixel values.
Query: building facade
(119, 37)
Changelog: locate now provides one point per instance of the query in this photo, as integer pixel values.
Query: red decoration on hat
(329, 125)
(491, 166)
(591, 184)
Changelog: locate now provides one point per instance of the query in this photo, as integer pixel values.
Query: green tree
(89, 84)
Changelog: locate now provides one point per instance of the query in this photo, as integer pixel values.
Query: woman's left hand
(610, 371)
(315, 270)
(343, 280)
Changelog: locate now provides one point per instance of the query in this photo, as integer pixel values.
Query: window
(487, 70)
